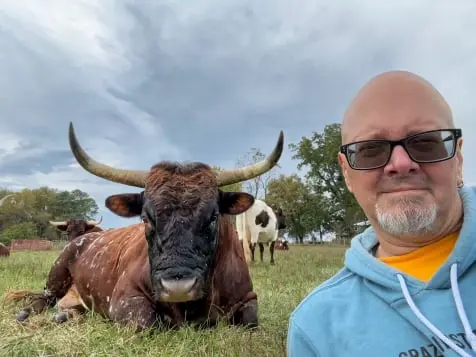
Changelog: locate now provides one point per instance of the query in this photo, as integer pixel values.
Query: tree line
(315, 202)
(27, 213)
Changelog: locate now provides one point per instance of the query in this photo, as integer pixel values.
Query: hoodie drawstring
(470, 336)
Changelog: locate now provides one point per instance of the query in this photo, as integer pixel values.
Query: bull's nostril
(178, 286)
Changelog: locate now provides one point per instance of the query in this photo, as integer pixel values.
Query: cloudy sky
(206, 80)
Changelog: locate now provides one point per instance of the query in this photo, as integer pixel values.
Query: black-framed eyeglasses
(425, 147)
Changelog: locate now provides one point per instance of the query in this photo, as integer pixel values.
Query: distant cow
(259, 225)
(4, 251)
(183, 263)
(77, 227)
(281, 244)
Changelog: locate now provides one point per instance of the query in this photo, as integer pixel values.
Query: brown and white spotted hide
(110, 273)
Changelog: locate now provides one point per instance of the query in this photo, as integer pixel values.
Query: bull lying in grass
(183, 263)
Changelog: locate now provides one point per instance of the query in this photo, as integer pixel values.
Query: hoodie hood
(392, 285)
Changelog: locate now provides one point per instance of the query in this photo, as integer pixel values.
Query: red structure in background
(30, 244)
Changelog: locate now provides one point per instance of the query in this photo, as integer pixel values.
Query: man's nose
(400, 162)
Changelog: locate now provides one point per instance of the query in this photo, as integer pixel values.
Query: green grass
(280, 288)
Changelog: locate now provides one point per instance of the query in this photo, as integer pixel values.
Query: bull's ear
(235, 202)
(126, 204)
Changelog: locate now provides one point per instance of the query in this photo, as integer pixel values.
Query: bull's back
(95, 229)
(101, 264)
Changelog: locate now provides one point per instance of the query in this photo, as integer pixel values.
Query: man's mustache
(401, 183)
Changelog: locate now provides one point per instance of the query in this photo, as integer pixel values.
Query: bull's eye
(147, 223)
(213, 220)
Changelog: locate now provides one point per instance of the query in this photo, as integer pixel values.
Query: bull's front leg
(129, 306)
(247, 314)
(57, 285)
(132, 309)
(71, 305)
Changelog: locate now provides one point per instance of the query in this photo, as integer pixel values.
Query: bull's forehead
(175, 187)
(76, 223)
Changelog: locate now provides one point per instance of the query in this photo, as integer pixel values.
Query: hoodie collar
(359, 258)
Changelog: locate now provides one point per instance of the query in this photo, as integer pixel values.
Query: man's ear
(126, 204)
(234, 202)
(343, 165)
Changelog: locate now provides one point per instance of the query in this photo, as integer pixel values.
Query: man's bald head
(408, 202)
(388, 92)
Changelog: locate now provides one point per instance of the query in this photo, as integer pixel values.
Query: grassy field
(280, 288)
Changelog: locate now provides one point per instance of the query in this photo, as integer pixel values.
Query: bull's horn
(95, 223)
(127, 177)
(60, 223)
(2, 201)
(232, 176)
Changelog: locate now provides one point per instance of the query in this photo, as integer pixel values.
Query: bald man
(408, 285)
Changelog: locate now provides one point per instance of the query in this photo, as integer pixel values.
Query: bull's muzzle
(179, 290)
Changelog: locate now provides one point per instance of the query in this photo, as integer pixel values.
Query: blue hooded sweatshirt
(371, 309)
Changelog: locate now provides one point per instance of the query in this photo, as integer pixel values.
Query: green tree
(73, 204)
(318, 154)
(302, 208)
(23, 230)
(10, 212)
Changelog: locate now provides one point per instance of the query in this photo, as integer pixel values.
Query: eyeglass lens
(424, 147)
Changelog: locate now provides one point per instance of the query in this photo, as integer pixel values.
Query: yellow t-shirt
(423, 263)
